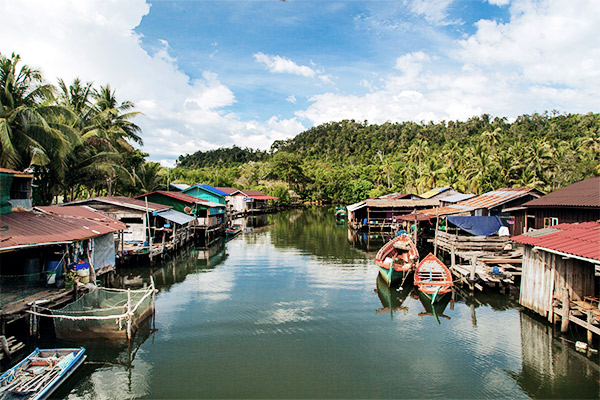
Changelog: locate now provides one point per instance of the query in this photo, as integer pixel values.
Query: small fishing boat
(233, 231)
(340, 212)
(397, 259)
(40, 373)
(433, 278)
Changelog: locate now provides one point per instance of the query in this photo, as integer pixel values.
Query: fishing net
(100, 303)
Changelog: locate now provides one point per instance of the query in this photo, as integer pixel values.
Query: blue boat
(40, 373)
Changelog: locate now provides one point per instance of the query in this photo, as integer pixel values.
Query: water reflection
(392, 298)
(434, 310)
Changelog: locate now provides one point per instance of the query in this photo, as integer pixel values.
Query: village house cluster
(546, 246)
(45, 250)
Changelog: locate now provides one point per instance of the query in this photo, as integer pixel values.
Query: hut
(579, 202)
(208, 217)
(241, 202)
(559, 273)
(145, 222)
(439, 193)
(38, 247)
(383, 213)
(15, 190)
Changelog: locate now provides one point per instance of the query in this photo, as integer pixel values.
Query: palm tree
(29, 123)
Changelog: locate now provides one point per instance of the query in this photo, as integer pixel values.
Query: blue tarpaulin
(479, 226)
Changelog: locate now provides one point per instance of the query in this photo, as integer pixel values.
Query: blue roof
(214, 190)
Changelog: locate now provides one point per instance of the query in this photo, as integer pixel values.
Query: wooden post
(437, 224)
(565, 312)
(129, 316)
(149, 233)
(415, 211)
(589, 332)
(452, 257)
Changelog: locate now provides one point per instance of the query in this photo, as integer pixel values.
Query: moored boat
(397, 259)
(340, 213)
(433, 278)
(233, 231)
(40, 373)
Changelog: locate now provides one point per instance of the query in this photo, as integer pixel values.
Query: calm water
(294, 310)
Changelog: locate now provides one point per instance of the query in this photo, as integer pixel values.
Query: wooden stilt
(564, 323)
(129, 316)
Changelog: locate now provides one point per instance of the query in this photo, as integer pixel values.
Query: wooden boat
(233, 231)
(340, 213)
(40, 373)
(433, 278)
(397, 259)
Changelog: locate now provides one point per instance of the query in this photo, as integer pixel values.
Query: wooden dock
(9, 346)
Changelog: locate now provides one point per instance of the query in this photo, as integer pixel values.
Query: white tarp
(104, 251)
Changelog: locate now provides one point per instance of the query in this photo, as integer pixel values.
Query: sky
(209, 74)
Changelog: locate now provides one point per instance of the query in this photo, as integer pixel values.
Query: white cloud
(284, 65)
(434, 11)
(291, 99)
(546, 57)
(95, 40)
(499, 2)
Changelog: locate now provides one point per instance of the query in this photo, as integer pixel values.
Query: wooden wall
(547, 275)
(564, 215)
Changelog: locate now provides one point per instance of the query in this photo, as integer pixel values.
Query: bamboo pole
(437, 224)
(129, 314)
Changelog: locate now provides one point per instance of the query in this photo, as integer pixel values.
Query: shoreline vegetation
(78, 140)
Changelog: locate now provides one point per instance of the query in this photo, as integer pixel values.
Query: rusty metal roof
(83, 212)
(35, 228)
(580, 240)
(395, 196)
(487, 200)
(121, 201)
(585, 193)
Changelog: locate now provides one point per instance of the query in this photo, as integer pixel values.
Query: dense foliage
(233, 156)
(75, 138)
(347, 161)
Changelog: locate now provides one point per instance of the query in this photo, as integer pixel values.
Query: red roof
(257, 195)
(228, 190)
(83, 212)
(581, 194)
(582, 240)
(121, 201)
(186, 198)
(18, 173)
(34, 228)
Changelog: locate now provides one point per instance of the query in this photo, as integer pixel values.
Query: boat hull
(56, 364)
(392, 276)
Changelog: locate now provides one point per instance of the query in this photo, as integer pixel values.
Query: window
(550, 221)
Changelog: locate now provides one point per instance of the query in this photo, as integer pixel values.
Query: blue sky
(208, 74)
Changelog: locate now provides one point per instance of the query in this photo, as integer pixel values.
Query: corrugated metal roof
(395, 196)
(176, 216)
(455, 198)
(581, 194)
(228, 190)
(180, 186)
(186, 198)
(83, 212)
(487, 200)
(18, 173)
(581, 240)
(214, 190)
(433, 192)
(121, 201)
(34, 228)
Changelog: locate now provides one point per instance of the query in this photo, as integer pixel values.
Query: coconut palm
(29, 122)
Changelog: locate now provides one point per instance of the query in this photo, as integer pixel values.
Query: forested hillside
(348, 161)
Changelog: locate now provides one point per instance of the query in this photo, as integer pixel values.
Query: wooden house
(209, 217)
(383, 213)
(240, 202)
(37, 247)
(146, 232)
(579, 202)
(206, 192)
(559, 268)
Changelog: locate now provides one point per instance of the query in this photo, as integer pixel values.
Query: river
(295, 310)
